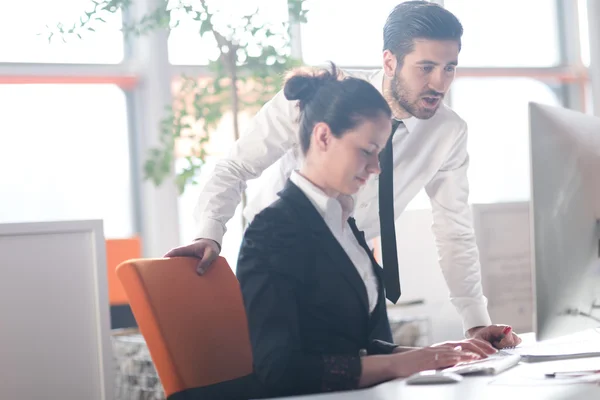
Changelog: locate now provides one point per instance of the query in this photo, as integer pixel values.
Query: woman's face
(347, 162)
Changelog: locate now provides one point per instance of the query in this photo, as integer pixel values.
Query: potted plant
(248, 69)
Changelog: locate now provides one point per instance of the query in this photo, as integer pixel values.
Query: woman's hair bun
(300, 87)
(303, 84)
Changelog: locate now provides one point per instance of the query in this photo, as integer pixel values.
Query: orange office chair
(195, 327)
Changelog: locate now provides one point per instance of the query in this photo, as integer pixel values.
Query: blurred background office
(80, 116)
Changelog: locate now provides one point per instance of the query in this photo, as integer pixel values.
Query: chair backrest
(195, 326)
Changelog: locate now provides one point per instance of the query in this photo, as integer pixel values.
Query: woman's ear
(321, 136)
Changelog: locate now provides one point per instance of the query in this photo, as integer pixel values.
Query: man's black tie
(389, 251)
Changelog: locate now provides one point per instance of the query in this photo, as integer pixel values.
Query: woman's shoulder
(274, 240)
(276, 219)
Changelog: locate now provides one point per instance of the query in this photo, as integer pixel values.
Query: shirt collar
(377, 81)
(332, 210)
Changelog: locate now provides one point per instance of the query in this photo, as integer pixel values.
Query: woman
(313, 291)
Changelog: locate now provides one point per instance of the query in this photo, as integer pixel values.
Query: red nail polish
(507, 330)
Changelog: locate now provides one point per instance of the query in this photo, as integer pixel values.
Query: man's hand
(206, 250)
(500, 336)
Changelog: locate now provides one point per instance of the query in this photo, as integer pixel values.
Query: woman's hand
(435, 357)
(477, 346)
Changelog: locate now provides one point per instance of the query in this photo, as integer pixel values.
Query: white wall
(421, 276)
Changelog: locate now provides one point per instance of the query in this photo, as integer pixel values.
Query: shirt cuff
(211, 229)
(475, 315)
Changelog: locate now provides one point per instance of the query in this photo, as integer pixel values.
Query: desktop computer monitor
(565, 220)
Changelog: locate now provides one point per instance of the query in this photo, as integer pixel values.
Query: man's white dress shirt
(335, 213)
(430, 154)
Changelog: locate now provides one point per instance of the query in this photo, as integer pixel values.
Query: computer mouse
(432, 377)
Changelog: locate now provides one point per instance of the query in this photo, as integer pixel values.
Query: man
(421, 45)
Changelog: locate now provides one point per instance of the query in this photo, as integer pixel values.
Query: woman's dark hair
(325, 96)
(412, 20)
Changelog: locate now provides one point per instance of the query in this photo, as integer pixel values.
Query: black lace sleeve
(340, 373)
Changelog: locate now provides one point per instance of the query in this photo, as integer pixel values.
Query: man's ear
(390, 62)
(321, 136)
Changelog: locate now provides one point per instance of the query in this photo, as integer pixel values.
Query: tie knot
(395, 124)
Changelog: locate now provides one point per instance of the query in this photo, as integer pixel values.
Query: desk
(526, 380)
(517, 383)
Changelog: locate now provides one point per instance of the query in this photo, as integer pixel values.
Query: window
(21, 21)
(187, 47)
(496, 111)
(507, 33)
(589, 99)
(584, 32)
(347, 35)
(65, 155)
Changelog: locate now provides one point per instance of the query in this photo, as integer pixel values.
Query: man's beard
(403, 96)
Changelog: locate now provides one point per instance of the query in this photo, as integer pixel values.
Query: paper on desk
(542, 380)
(585, 343)
(535, 373)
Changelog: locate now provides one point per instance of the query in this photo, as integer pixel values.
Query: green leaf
(205, 26)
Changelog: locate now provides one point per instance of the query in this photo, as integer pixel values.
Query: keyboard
(493, 365)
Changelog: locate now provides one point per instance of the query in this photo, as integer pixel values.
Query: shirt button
(362, 353)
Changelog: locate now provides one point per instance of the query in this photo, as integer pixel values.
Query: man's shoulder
(368, 75)
(446, 123)
(448, 117)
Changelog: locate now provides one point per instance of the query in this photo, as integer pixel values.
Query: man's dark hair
(418, 20)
